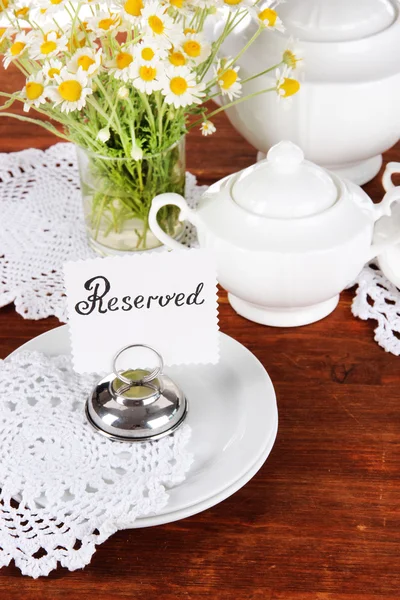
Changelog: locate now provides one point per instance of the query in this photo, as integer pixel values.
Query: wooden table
(321, 520)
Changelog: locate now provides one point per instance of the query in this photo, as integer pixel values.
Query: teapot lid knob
(285, 156)
(285, 185)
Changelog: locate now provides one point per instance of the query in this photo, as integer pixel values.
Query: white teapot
(288, 236)
(348, 109)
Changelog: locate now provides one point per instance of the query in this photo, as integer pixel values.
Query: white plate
(213, 500)
(233, 416)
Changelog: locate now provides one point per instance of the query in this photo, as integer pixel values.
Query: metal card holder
(136, 405)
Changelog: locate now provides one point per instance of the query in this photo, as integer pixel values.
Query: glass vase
(117, 195)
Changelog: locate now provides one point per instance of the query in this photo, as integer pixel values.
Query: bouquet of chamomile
(126, 79)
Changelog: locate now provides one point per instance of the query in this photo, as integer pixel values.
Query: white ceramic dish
(288, 236)
(350, 71)
(177, 515)
(233, 416)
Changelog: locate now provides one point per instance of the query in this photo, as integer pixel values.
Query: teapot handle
(185, 214)
(384, 208)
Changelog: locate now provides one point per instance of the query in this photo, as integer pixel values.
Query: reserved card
(166, 300)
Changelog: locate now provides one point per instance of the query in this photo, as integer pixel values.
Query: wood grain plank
(320, 521)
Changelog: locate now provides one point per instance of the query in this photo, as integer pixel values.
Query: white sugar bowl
(288, 236)
(348, 109)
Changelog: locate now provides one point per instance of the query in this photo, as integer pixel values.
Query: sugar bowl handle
(186, 214)
(384, 208)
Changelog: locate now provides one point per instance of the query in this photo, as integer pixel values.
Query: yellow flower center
(53, 71)
(55, 1)
(106, 24)
(133, 7)
(147, 73)
(178, 85)
(228, 78)
(147, 54)
(290, 59)
(34, 90)
(156, 24)
(123, 60)
(85, 62)
(189, 30)
(232, 2)
(269, 15)
(47, 35)
(290, 87)
(177, 59)
(70, 90)
(48, 47)
(21, 12)
(3, 4)
(192, 48)
(17, 48)
(2, 31)
(176, 3)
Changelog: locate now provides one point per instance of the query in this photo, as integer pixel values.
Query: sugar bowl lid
(338, 21)
(136, 405)
(285, 185)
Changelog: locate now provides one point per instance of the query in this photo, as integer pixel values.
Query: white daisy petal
(71, 90)
(180, 88)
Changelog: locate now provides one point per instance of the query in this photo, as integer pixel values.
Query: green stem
(43, 124)
(230, 104)
(262, 73)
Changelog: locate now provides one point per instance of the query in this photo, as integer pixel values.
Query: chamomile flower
(234, 5)
(159, 25)
(80, 36)
(51, 68)
(123, 93)
(22, 9)
(70, 91)
(136, 152)
(183, 7)
(147, 78)
(180, 87)
(47, 45)
(268, 17)
(131, 10)
(34, 92)
(6, 33)
(208, 128)
(87, 59)
(228, 79)
(292, 56)
(103, 135)
(18, 47)
(50, 7)
(196, 48)
(177, 58)
(104, 22)
(147, 51)
(120, 65)
(285, 85)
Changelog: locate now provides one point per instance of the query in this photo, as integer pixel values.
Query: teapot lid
(342, 20)
(285, 185)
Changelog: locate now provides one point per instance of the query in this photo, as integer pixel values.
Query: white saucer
(233, 416)
(177, 515)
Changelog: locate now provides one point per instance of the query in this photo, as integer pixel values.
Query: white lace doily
(379, 299)
(42, 227)
(64, 487)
